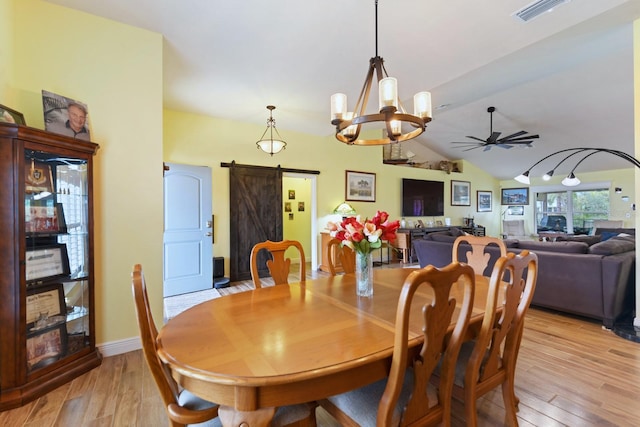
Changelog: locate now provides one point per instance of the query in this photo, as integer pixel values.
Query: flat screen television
(422, 198)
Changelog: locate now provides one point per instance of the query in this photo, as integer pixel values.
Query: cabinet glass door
(57, 275)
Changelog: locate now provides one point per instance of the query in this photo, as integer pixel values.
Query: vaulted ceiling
(566, 75)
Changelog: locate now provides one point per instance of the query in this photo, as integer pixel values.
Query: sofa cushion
(562, 247)
(511, 243)
(614, 245)
(442, 237)
(589, 240)
(455, 232)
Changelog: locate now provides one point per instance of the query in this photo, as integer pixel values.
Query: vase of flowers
(363, 237)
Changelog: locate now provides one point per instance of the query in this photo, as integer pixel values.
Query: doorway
(187, 237)
(256, 212)
(300, 213)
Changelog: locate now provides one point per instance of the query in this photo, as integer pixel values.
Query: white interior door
(188, 241)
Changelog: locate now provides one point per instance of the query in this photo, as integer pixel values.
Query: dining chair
(477, 257)
(183, 407)
(490, 360)
(278, 266)
(340, 255)
(403, 398)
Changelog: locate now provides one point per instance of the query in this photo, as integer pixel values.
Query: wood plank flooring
(570, 372)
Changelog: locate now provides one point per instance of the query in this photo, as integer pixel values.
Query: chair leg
(510, 402)
(470, 412)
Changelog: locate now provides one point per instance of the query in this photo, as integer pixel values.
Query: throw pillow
(614, 245)
(606, 235)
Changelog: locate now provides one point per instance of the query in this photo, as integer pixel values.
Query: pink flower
(365, 236)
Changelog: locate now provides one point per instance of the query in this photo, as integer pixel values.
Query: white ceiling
(566, 75)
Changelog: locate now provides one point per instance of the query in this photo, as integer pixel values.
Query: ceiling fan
(495, 140)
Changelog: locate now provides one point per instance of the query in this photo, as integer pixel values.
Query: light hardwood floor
(570, 372)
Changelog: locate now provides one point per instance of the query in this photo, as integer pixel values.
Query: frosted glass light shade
(271, 146)
(396, 127)
(571, 180)
(338, 106)
(350, 130)
(388, 92)
(422, 104)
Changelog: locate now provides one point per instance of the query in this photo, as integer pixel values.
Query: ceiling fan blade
(522, 138)
(494, 137)
(473, 148)
(487, 147)
(522, 132)
(516, 142)
(476, 138)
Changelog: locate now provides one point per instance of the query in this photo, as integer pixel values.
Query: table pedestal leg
(231, 417)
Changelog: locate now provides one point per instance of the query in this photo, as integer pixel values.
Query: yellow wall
(299, 226)
(6, 52)
(117, 71)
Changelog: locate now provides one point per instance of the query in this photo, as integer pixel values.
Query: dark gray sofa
(581, 276)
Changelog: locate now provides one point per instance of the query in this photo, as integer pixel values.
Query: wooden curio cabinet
(47, 317)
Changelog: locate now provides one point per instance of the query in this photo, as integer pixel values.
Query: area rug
(179, 303)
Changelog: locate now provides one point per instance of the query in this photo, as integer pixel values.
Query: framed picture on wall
(485, 201)
(515, 196)
(460, 193)
(360, 186)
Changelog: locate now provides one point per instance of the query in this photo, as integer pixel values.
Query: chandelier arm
(366, 89)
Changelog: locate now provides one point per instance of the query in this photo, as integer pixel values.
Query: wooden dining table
(258, 350)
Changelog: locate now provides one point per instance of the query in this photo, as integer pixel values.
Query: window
(571, 211)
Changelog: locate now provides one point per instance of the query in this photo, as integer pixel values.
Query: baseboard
(114, 348)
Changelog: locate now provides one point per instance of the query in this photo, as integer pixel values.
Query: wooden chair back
(340, 255)
(278, 266)
(168, 388)
(439, 345)
(477, 257)
(492, 361)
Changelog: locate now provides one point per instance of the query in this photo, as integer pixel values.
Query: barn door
(256, 215)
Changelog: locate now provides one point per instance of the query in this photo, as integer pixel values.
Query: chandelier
(271, 145)
(571, 180)
(391, 115)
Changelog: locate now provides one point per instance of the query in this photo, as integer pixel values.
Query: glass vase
(364, 274)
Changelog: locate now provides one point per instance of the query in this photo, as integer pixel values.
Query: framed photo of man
(65, 116)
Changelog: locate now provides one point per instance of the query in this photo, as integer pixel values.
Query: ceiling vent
(537, 8)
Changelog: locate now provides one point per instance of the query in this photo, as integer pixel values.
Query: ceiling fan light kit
(518, 138)
(391, 115)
